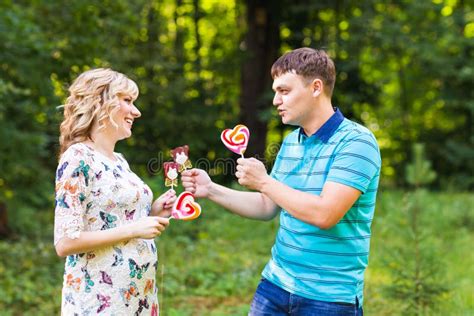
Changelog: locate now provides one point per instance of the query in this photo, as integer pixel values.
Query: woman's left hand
(163, 205)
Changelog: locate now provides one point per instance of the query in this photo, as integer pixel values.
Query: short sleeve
(73, 187)
(357, 163)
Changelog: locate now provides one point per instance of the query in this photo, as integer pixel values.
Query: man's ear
(317, 86)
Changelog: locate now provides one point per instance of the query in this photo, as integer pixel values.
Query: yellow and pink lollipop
(185, 207)
(236, 139)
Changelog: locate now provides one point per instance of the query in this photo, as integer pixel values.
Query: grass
(211, 266)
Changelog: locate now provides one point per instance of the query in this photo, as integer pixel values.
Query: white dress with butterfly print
(95, 193)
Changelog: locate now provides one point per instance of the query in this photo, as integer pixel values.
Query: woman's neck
(103, 144)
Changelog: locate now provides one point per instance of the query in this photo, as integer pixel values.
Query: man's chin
(288, 122)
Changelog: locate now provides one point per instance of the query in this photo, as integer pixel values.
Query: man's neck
(320, 115)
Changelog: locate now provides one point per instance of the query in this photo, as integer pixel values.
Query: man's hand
(251, 173)
(197, 182)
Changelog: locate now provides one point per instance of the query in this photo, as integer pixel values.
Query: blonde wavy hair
(93, 97)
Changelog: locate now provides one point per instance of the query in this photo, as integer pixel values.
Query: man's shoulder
(351, 127)
(350, 130)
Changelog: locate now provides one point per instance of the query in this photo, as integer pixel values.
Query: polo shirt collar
(327, 129)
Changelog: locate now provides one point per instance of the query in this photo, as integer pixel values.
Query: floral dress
(96, 193)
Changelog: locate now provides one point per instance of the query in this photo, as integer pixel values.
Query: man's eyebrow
(280, 86)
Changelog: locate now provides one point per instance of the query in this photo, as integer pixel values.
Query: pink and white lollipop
(185, 207)
(236, 139)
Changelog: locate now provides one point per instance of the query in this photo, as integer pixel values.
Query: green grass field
(211, 266)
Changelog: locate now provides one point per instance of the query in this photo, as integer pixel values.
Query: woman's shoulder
(74, 159)
(77, 152)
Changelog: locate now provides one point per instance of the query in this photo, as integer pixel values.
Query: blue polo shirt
(326, 265)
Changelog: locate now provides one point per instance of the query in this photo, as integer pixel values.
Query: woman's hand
(148, 227)
(163, 205)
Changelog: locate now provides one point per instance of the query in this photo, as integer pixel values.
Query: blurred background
(405, 69)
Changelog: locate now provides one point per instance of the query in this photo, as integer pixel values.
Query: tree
(261, 46)
(416, 267)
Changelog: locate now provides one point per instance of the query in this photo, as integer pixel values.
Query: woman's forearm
(92, 240)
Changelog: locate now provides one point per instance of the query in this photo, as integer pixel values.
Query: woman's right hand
(148, 227)
(197, 182)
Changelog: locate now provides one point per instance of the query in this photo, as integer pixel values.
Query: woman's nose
(135, 111)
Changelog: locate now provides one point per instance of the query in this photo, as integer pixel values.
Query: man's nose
(277, 99)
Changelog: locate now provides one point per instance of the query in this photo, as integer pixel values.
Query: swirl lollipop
(181, 157)
(185, 208)
(236, 139)
(171, 174)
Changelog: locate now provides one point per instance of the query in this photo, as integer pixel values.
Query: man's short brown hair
(310, 64)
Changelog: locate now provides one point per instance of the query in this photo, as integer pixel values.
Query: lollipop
(171, 174)
(236, 139)
(185, 207)
(180, 156)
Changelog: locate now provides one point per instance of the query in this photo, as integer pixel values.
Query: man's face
(293, 98)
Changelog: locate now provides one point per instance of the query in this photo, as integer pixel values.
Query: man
(323, 184)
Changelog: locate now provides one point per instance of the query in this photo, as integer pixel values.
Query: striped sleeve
(356, 163)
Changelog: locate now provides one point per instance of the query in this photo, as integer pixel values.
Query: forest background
(405, 69)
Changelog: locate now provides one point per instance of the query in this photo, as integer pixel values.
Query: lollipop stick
(242, 155)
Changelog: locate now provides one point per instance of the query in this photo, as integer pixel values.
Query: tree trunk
(4, 230)
(261, 44)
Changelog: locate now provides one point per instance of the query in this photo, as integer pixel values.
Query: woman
(105, 221)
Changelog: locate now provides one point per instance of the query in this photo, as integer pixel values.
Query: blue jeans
(271, 300)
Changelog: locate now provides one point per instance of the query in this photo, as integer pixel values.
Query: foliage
(405, 70)
(24, 109)
(419, 172)
(416, 268)
(211, 266)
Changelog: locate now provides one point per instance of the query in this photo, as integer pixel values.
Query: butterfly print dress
(96, 193)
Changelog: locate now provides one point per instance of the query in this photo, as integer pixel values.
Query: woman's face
(125, 117)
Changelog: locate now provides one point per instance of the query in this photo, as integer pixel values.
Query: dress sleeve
(73, 187)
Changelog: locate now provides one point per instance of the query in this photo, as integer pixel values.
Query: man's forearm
(252, 205)
(323, 211)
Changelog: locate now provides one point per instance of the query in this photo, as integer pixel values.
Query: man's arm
(254, 205)
(323, 211)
